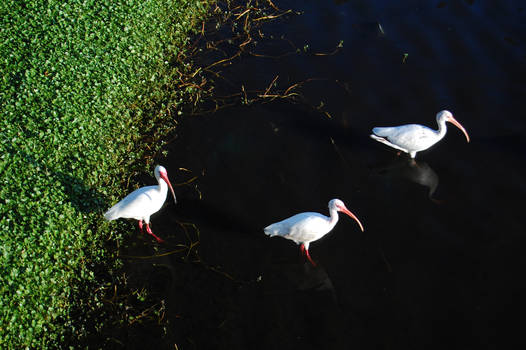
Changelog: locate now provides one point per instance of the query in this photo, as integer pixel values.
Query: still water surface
(441, 261)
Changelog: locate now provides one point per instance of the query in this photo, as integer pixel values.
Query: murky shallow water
(441, 261)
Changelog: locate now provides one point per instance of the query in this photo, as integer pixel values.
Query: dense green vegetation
(82, 83)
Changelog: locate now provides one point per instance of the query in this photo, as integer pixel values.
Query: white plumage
(143, 202)
(305, 228)
(412, 138)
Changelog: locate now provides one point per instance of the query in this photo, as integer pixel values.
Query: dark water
(441, 262)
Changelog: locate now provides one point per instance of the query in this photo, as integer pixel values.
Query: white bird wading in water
(412, 138)
(305, 228)
(143, 202)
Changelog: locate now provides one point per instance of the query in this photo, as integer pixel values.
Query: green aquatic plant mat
(82, 82)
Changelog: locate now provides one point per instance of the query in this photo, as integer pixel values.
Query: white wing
(411, 137)
(304, 227)
(139, 204)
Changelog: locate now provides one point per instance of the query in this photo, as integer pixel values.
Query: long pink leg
(149, 230)
(306, 252)
(308, 257)
(140, 226)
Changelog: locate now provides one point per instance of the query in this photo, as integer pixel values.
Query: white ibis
(305, 228)
(412, 138)
(143, 202)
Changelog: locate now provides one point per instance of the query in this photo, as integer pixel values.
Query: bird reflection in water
(415, 171)
(315, 278)
(304, 278)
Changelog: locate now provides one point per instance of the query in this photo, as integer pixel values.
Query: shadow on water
(422, 275)
(415, 171)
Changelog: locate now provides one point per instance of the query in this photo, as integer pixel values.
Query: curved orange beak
(348, 212)
(457, 124)
(164, 176)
